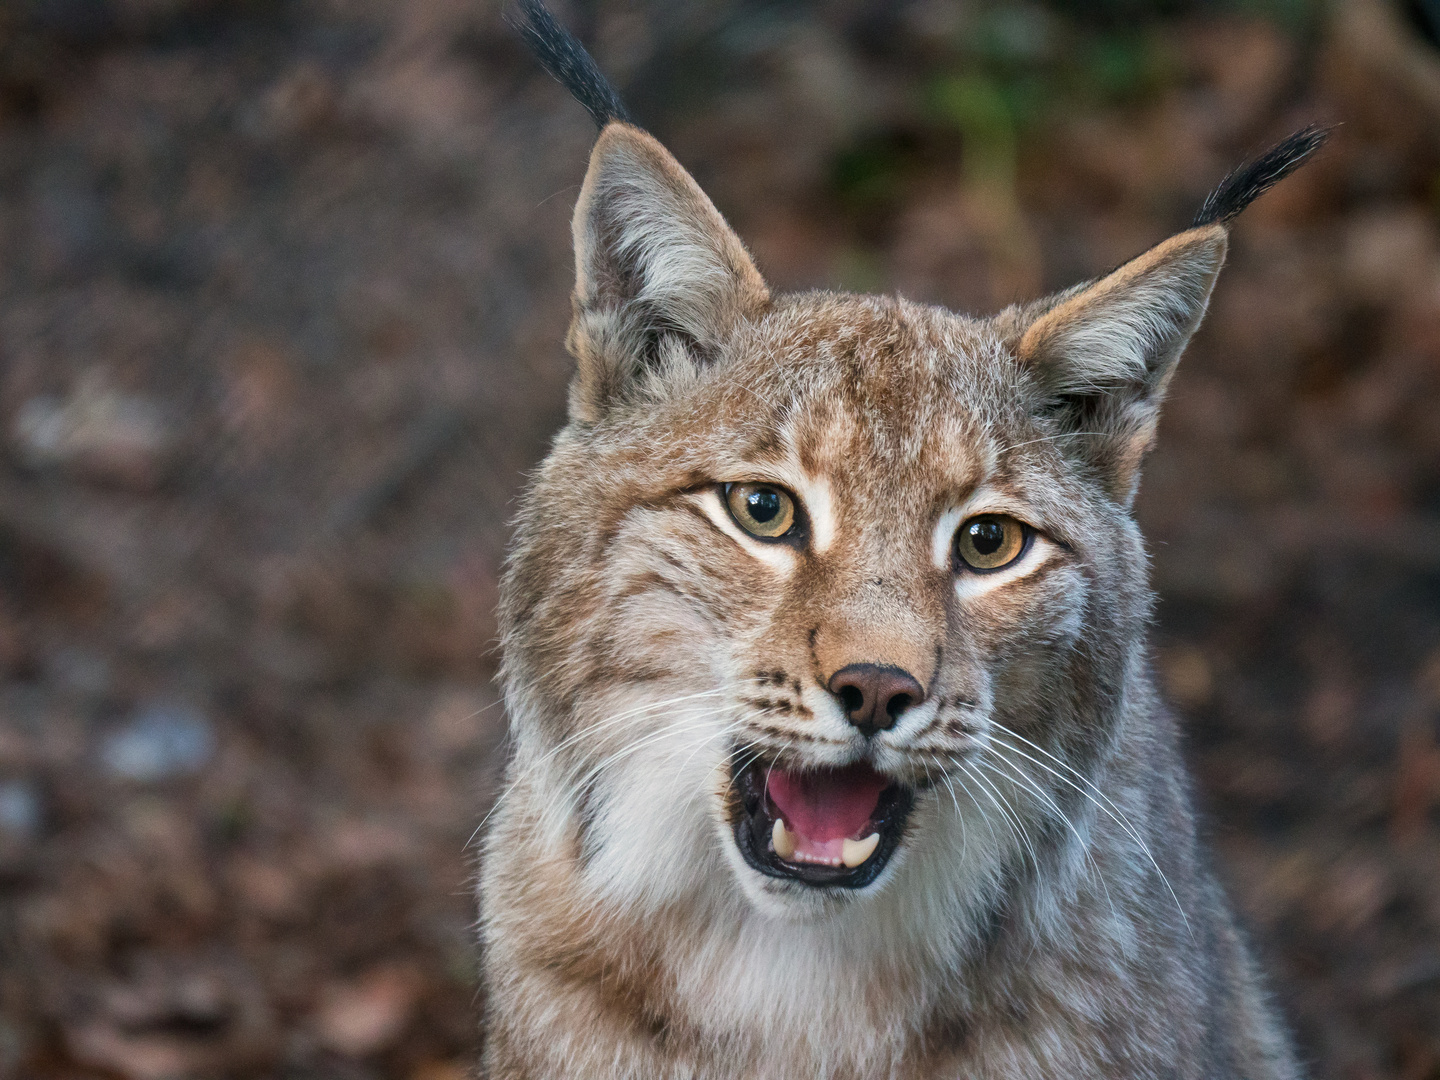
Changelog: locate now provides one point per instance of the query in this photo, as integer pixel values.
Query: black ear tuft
(1251, 180)
(567, 61)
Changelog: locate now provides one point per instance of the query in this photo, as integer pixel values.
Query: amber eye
(990, 541)
(761, 509)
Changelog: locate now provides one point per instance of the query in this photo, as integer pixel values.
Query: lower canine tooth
(784, 840)
(854, 852)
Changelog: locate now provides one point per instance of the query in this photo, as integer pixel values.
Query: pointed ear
(660, 280)
(1105, 351)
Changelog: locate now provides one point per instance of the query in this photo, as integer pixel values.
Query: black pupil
(763, 505)
(987, 536)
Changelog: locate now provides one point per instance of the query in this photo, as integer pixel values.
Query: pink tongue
(830, 804)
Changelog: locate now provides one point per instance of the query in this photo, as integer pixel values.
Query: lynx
(837, 752)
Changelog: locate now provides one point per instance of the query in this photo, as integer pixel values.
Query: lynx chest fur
(836, 749)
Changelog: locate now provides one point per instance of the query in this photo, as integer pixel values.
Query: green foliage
(1036, 59)
(1123, 66)
(868, 174)
(1293, 16)
(984, 111)
(1013, 65)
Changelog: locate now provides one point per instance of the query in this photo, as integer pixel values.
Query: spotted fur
(1048, 912)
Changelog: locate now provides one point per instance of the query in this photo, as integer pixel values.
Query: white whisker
(1117, 815)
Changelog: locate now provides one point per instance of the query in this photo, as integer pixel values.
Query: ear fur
(1105, 351)
(660, 279)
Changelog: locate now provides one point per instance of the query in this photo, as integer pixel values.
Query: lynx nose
(874, 695)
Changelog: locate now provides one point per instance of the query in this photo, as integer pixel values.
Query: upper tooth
(784, 840)
(854, 852)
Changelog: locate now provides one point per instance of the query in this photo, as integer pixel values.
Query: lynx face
(836, 749)
(806, 577)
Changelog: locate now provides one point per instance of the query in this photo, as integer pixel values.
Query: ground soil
(283, 286)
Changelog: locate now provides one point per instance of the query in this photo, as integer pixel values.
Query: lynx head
(805, 576)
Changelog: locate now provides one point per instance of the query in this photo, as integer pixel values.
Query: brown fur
(1048, 912)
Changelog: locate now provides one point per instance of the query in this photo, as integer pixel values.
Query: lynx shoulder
(837, 754)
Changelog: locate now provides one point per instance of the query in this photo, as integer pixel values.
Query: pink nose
(874, 695)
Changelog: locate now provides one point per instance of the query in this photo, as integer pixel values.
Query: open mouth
(820, 826)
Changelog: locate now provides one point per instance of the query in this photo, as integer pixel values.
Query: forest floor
(283, 286)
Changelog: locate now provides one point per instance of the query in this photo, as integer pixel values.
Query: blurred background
(283, 285)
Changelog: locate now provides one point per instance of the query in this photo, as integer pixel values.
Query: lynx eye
(762, 510)
(990, 542)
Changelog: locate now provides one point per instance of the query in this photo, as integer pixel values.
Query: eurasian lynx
(837, 751)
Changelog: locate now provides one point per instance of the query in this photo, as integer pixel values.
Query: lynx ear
(660, 279)
(1105, 351)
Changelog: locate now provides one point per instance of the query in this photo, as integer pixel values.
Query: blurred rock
(258, 399)
(177, 618)
(1329, 712)
(426, 97)
(14, 643)
(462, 717)
(1243, 65)
(99, 432)
(1186, 675)
(175, 1018)
(1427, 678)
(1389, 253)
(1417, 782)
(349, 845)
(162, 741)
(79, 670)
(1373, 42)
(301, 103)
(442, 1070)
(15, 1046)
(363, 1016)
(1351, 893)
(20, 809)
(270, 890)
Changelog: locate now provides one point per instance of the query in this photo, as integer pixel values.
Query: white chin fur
(651, 823)
(778, 954)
